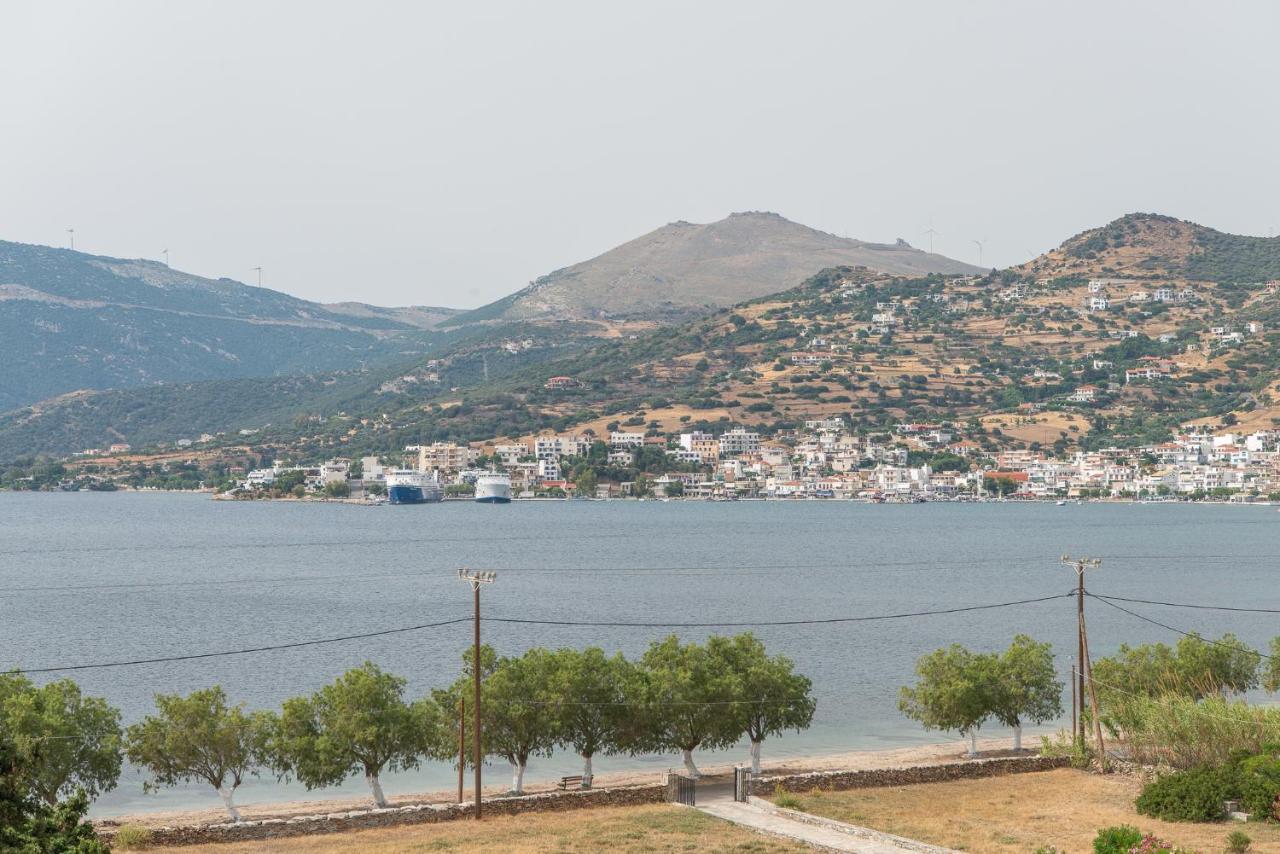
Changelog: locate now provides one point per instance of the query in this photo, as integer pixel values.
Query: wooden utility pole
(1073, 704)
(475, 579)
(1093, 701)
(1078, 677)
(462, 745)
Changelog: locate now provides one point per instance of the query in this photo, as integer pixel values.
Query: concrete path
(821, 833)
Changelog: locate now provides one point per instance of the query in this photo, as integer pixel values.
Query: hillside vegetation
(1003, 353)
(71, 321)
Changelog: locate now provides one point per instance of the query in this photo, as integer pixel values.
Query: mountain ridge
(72, 320)
(847, 342)
(683, 269)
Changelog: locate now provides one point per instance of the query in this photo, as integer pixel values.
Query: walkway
(821, 833)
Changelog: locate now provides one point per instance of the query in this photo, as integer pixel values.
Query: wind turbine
(166, 256)
(259, 269)
(72, 232)
(931, 232)
(978, 243)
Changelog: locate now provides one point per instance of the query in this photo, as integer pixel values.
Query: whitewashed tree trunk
(1017, 737)
(375, 786)
(227, 795)
(517, 778)
(973, 743)
(755, 757)
(586, 770)
(689, 766)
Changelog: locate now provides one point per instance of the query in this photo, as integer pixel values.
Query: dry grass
(613, 829)
(1020, 812)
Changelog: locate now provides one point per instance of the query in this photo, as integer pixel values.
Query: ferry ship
(493, 488)
(406, 486)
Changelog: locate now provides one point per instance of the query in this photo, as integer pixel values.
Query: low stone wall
(880, 777)
(414, 814)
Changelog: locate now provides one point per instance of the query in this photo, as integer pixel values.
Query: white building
(619, 439)
(739, 441)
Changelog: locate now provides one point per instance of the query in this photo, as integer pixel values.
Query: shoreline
(361, 502)
(952, 752)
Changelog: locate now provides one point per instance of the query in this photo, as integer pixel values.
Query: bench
(574, 781)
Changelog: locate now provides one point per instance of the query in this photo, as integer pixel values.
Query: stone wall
(837, 780)
(413, 814)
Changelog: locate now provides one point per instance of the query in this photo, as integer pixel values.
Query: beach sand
(929, 754)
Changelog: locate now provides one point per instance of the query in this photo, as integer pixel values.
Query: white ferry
(493, 488)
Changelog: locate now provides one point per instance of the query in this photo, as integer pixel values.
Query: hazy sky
(448, 153)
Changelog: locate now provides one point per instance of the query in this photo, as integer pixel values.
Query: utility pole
(462, 744)
(1082, 660)
(475, 579)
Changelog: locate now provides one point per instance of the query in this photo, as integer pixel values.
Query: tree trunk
(973, 744)
(375, 786)
(586, 770)
(517, 777)
(755, 757)
(689, 766)
(227, 795)
(1017, 737)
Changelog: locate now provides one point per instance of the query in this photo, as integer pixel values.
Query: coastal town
(824, 460)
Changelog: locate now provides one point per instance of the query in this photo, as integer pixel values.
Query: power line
(1180, 631)
(515, 620)
(752, 623)
(1188, 605)
(194, 656)
(704, 570)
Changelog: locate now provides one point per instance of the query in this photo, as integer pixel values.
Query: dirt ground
(613, 829)
(1018, 813)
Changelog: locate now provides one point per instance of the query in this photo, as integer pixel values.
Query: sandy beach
(929, 754)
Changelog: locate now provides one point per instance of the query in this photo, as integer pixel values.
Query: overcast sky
(449, 153)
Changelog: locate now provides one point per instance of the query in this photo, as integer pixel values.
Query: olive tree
(519, 712)
(953, 692)
(359, 723)
(74, 742)
(589, 695)
(1271, 677)
(200, 737)
(1026, 688)
(684, 699)
(771, 697)
(1196, 668)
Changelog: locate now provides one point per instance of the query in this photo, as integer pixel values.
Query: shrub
(1151, 844)
(787, 801)
(1194, 795)
(1260, 786)
(132, 836)
(1117, 839)
(1064, 744)
(1238, 842)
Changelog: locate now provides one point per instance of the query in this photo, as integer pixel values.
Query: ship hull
(493, 499)
(405, 495)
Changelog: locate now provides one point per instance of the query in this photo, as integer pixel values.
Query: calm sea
(250, 574)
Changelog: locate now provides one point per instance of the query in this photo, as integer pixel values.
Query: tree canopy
(360, 722)
(201, 737)
(73, 742)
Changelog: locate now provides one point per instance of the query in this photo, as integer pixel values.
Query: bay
(90, 578)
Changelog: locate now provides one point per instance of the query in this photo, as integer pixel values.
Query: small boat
(1061, 503)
